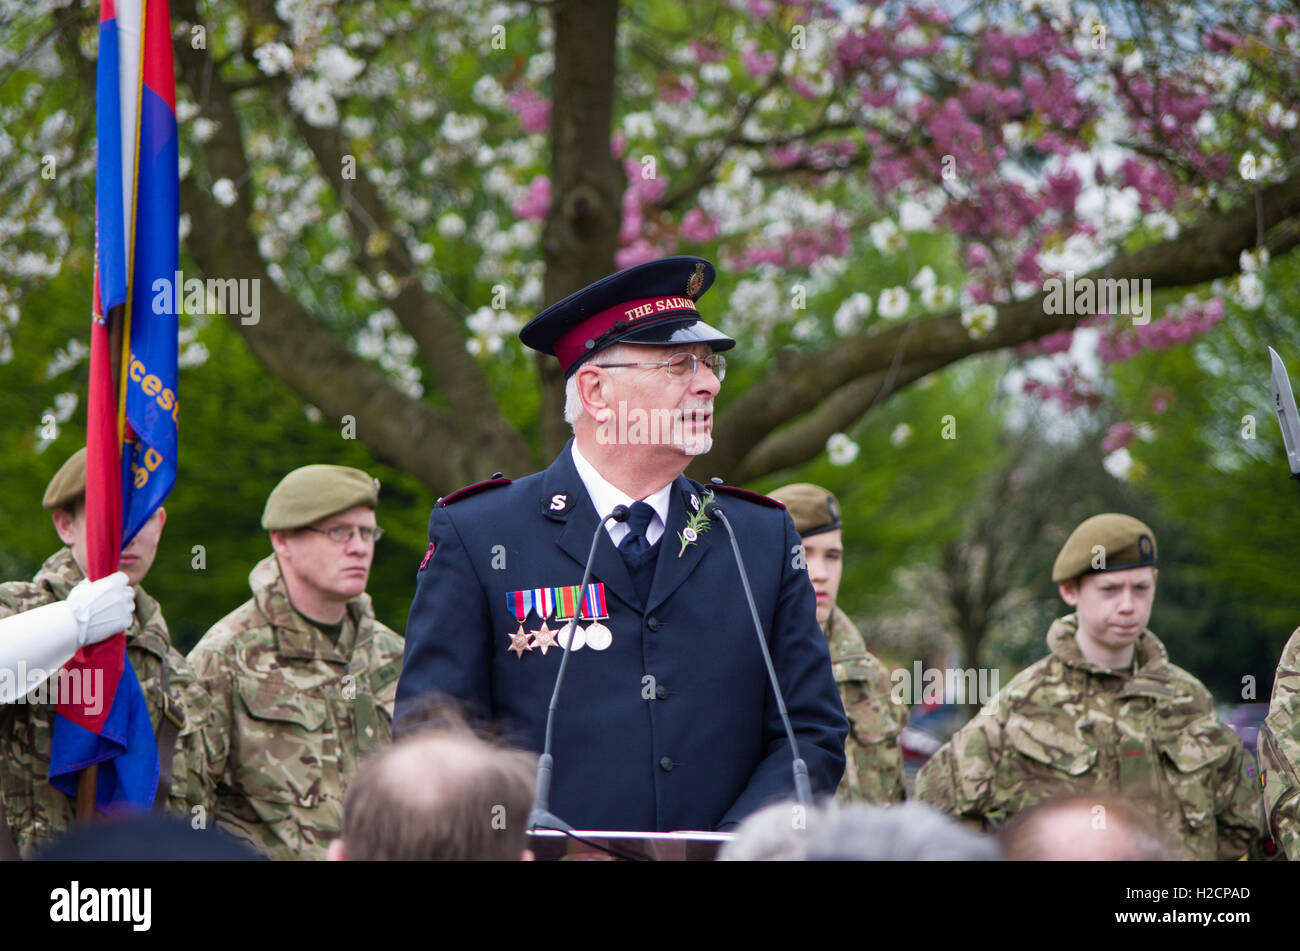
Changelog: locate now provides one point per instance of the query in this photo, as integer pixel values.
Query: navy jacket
(674, 726)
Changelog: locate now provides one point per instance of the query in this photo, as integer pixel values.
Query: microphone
(541, 817)
(802, 785)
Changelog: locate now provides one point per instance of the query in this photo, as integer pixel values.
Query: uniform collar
(1149, 673)
(295, 637)
(605, 496)
(563, 500)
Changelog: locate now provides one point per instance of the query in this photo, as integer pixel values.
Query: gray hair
(909, 831)
(618, 353)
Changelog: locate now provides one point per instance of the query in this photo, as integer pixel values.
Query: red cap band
(572, 345)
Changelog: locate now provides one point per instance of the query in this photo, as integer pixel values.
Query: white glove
(102, 608)
(36, 643)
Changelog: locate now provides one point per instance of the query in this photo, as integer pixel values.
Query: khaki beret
(312, 493)
(1103, 543)
(813, 508)
(68, 484)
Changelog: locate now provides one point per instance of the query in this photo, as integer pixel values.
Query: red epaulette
(745, 494)
(472, 489)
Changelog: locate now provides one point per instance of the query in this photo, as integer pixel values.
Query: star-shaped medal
(519, 642)
(544, 638)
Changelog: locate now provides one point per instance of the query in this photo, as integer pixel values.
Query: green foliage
(1228, 595)
(903, 496)
(241, 430)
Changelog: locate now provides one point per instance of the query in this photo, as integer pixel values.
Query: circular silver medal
(579, 637)
(598, 636)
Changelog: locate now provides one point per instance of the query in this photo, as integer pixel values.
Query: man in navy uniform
(666, 719)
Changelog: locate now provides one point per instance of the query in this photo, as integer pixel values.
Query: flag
(130, 465)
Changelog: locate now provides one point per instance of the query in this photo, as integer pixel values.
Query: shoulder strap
(169, 728)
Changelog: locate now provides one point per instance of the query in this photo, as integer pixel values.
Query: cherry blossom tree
(887, 187)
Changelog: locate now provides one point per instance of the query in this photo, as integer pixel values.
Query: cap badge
(1144, 546)
(695, 283)
(833, 509)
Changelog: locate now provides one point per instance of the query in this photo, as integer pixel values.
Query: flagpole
(119, 353)
(125, 342)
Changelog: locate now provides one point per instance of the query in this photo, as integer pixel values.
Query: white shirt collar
(605, 496)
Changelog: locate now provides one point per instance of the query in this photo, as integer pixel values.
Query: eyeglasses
(682, 364)
(342, 534)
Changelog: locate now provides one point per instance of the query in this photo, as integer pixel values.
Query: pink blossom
(697, 226)
(536, 201)
(534, 112)
(757, 64)
(618, 144)
(1058, 342)
(677, 89)
(1119, 436)
(638, 252)
(802, 87)
(706, 54)
(753, 256)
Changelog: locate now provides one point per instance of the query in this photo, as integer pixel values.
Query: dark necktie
(634, 545)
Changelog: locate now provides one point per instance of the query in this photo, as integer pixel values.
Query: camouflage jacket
(39, 813)
(1067, 726)
(1279, 753)
(873, 770)
(299, 709)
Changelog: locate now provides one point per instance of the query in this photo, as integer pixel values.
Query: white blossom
(893, 302)
(224, 191)
(924, 278)
(312, 98)
(202, 129)
(1119, 464)
(901, 435)
(841, 449)
(979, 320)
(1252, 261)
(1249, 291)
(886, 236)
(273, 58)
(451, 226)
(337, 67)
(850, 314)
(937, 297)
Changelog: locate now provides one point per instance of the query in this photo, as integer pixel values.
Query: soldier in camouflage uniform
(302, 675)
(873, 771)
(1279, 753)
(1106, 713)
(37, 813)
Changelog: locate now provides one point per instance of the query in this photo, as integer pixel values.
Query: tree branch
(797, 383)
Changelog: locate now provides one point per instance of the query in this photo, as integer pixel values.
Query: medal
(519, 642)
(599, 636)
(566, 607)
(579, 637)
(519, 603)
(544, 638)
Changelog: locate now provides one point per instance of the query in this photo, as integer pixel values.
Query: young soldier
(1105, 713)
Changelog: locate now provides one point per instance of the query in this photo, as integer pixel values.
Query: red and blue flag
(131, 457)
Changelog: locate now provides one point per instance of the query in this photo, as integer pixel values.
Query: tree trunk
(586, 182)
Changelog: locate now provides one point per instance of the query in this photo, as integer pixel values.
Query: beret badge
(695, 282)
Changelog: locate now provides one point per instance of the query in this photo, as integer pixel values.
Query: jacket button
(666, 764)
(661, 691)
(652, 623)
